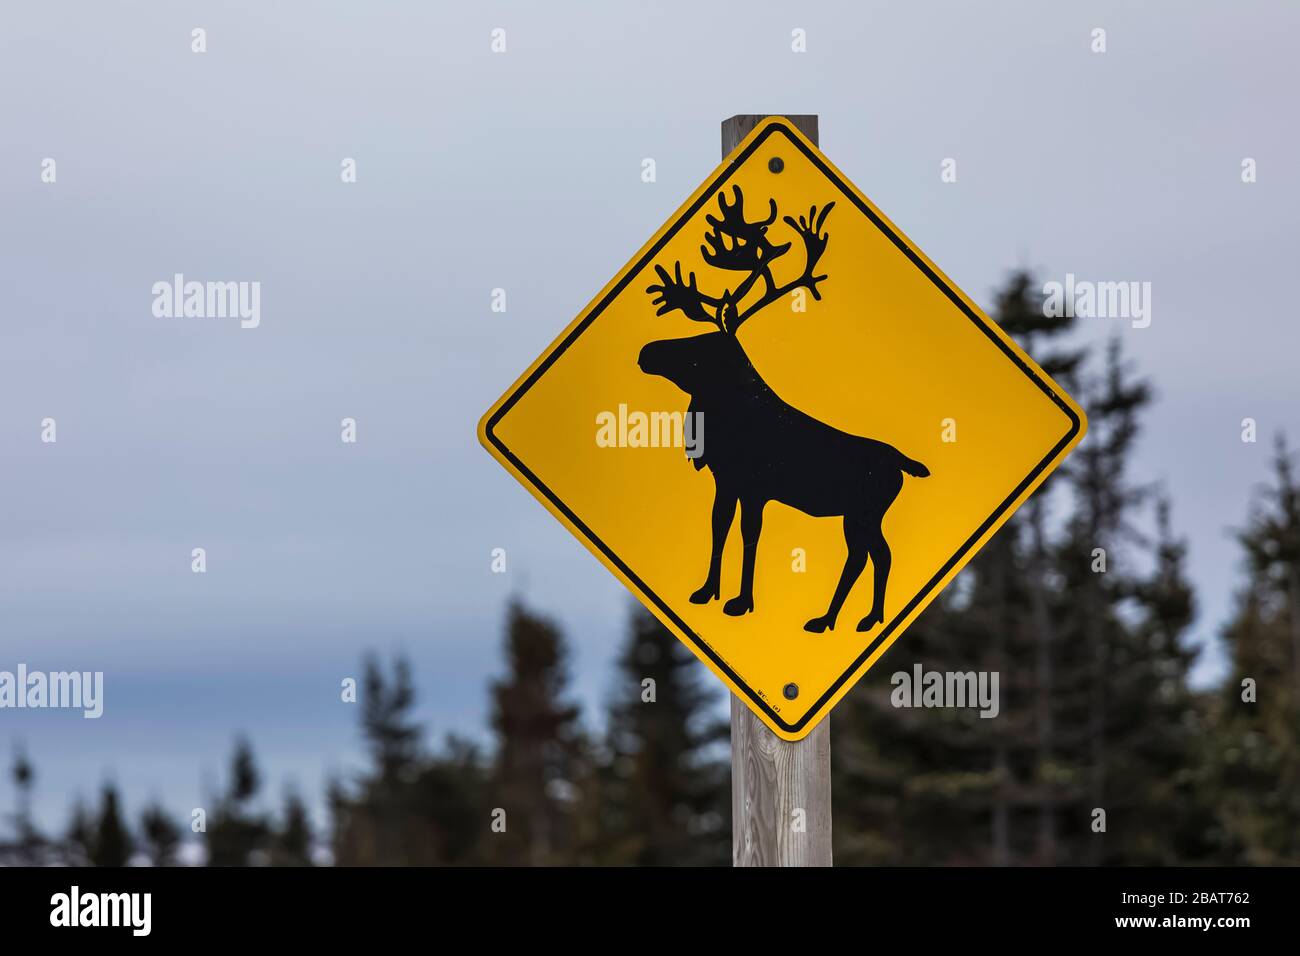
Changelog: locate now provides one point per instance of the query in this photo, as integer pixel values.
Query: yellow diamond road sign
(783, 428)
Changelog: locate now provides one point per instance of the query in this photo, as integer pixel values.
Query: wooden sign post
(780, 789)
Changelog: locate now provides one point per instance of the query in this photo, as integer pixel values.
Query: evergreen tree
(594, 811)
(292, 844)
(244, 777)
(238, 833)
(452, 789)
(411, 808)
(1097, 574)
(159, 836)
(112, 842)
(1123, 665)
(1256, 757)
(79, 838)
(28, 847)
(392, 737)
(384, 824)
(667, 794)
(1161, 793)
(539, 746)
(1019, 311)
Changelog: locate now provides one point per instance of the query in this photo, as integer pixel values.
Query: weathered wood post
(772, 779)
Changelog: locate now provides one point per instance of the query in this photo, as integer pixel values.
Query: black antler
(814, 245)
(740, 246)
(673, 292)
(749, 248)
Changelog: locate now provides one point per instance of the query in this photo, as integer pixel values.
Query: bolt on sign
(783, 428)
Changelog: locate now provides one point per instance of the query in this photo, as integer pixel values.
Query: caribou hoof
(738, 605)
(870, 621)
(705, 594)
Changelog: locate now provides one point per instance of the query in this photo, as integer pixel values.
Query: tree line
(1102, 752)
(651, 790)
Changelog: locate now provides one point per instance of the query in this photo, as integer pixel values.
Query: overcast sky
(522, 170)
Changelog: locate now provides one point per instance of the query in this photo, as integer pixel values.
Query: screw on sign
(834, 356)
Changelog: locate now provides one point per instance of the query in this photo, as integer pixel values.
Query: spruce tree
(28, 847)
(1019, 311)
(159, 836)
(667, 798)
(1160, 792)
(411, 808)
(292, 844)
(1097, 564)
(1256, 754)
(238, 833)
(450, 792)
(112, 842)
(79, 836)
(539, 746)
(1123, 664)
(391, 736)
(387, 826)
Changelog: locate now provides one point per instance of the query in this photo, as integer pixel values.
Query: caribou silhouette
(761, 448)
